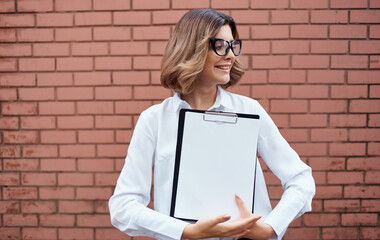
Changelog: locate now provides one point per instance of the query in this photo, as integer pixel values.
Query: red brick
(262, 4)
(102, 193)
(9, 123)
(75, 122)
(54, 19)
(72, 5)
(102, 207)
(310, 149)
(329, 192)
(36, 64)
(372, 177)
(73, 34)
(8, 94)
(365, 134)
(308, 120)
(374, 120)
(35, 35)
(345, 177)
(271, 62)
(374, 91)
(359, 91)
(56, 193)
(9, 207)
(132, 18)
(58, 136)
(92, 78)
(75, 93)
(21, 193)
(240, 89)
(290, 46)
(34, 5)
(89, 49)
(321, 220)
(302, 233)
(308, 31)
(16, 20)
(147, 63)
(40, 151)
(15, 50)
(348, 120)
(17, 79)
(327, 16)
(373, 149)
(270, 91)
(9, 179)
(75, 179)
(20, 137)
(10, 233)
(250, 16)
(370, 205)
(23, 165)
(330, 163)
(112, 33)
(341, 206)
(374, 31)
(36, 233)
(255, 77)
(111, 5)
(129, 48)
(19, 108)
(359, 219)
(20, 220)
(58, 165)
(61, 220)
(225, 4)
(8, 65)
(348, 4)
(184, 4)
(151, 92)
(38, 207)
(312, 61)
(347, 149)
(74, 64)
(308, 4)
(339, 233)
(75, 233)
(93, 18)
(367, 106)
(309, 91)
(77, 151)
(95, 165)
(369, 233)
(54, 79)
(113, 63)
(94, 221)
(113, 93)
(348, 31)
(36, 94)
(97, 107)
(37, 122)
(10, 151)
(56, 108)
(365, 16)
(361, 192)
(168, 17)
(287, 76)
(111, 233)
(130, 78)
(290, 16)
(146, 4)
(151, 33)
(95, 136)
(374, 61)
(328, 135)
(289, 106)
(365, 47)
(76, 207)
(106, 179)
(115, 150)
(328, 106)
(158, 47)
(367, 163)
(270, 32)
(8, 35)
(51, 49)
(329, 46)
(8, 6)
(374, 4)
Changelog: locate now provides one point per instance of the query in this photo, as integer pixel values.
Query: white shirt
(153, 145)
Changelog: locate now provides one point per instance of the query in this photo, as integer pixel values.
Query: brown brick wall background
(75, 74)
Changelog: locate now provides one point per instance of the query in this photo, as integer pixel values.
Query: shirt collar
(222, 102)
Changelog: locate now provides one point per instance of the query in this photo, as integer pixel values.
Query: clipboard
(216, 158)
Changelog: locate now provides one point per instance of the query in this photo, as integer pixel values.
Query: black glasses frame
(213, 41)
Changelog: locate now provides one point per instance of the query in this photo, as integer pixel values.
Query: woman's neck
(201, 98)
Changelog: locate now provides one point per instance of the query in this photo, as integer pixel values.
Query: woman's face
(217, 68)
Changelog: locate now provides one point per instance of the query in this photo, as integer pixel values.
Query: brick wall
(75, 74)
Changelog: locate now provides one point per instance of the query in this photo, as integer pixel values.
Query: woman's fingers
(244, 212)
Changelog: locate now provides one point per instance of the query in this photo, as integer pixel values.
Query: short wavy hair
(188, 46)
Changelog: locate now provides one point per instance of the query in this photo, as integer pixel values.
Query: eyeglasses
(221, 47)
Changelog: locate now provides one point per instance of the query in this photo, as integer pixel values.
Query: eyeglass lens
(222, 47)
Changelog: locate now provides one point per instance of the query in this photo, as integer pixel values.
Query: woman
(199, 63)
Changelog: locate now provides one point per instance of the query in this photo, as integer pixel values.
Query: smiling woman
(199, 63)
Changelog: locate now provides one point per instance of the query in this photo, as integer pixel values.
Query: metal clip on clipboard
(220, 117)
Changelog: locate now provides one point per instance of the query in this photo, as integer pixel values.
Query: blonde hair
(187, 50)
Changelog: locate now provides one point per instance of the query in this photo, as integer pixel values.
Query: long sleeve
(295, 176)
(128, 205)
